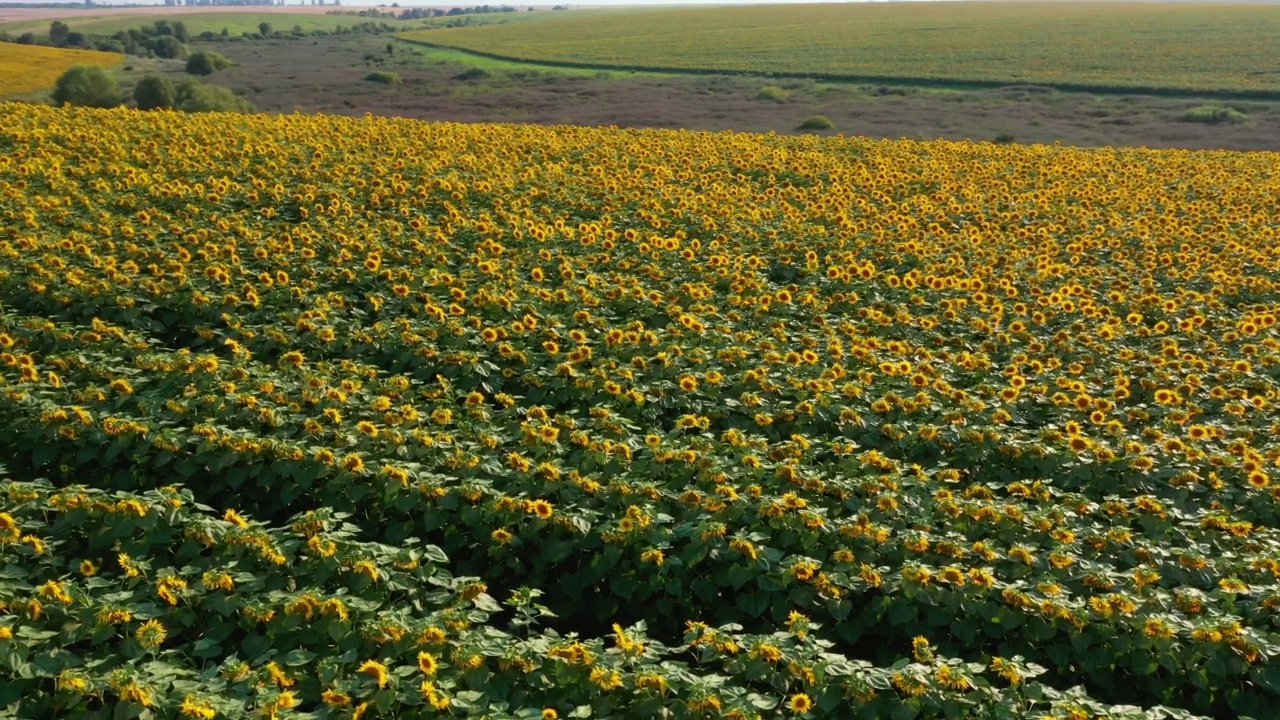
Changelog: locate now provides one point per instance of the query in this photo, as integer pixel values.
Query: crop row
(1171, 49)
(1017, 402)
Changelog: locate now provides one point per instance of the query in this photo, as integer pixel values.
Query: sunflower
(800, 703)
(375, 670)
(150, 634)
(542, 509)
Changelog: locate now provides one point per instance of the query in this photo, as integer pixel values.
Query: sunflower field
(30, 68)
(320, 417)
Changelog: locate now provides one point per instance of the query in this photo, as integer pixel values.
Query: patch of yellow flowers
(894, 392)
(29, 68)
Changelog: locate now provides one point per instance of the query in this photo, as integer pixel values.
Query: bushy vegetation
(1215, 115)
(191, 95)
(472, 73)
(384, 77)
(154, 92)
(163, 39)
(817, 122)
(168, 39)
(774, 93)
(207, 62)
(86, 86)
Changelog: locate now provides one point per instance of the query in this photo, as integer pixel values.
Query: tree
(88, 86)
(168, 46)
(110, 45)
(58, 32)
(180, 32)
(206, 62)
(264, 29)
(194, 96)
(154, 93)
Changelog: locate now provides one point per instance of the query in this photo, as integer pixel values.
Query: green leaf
(298, 657)
(753, 604)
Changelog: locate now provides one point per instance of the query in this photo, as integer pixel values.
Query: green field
(1094, 45)
(525, 17)
(236, 23)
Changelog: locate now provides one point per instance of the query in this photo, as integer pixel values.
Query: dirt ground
(327, 75)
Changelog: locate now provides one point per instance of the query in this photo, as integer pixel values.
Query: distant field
(1122, 46)
(28, 68)
(236, 23)
(523, 17)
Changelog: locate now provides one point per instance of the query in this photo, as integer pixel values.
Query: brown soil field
(327, 75)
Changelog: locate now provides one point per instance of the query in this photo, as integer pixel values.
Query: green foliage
(472, 73)
(154, 92)
(384, 77)
(1215, 115)
(191, 95)
(86, 86)
(110, 45)
(817, 122)
(167, 47)
(774, 93)
(206, 62)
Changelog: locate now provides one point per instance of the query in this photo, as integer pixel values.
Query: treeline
(162, 39)
(91, 86)
(423, 13)
(209, 3)
(165, 39)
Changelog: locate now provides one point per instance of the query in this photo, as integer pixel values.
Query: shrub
(774, 93)
(191, 95)
(1215, 115)
(207, 62)
(817, 122)
(87, 86)
(168, 47)
(384, 77)
(109, 45)
(474, 73)
(154, 93)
